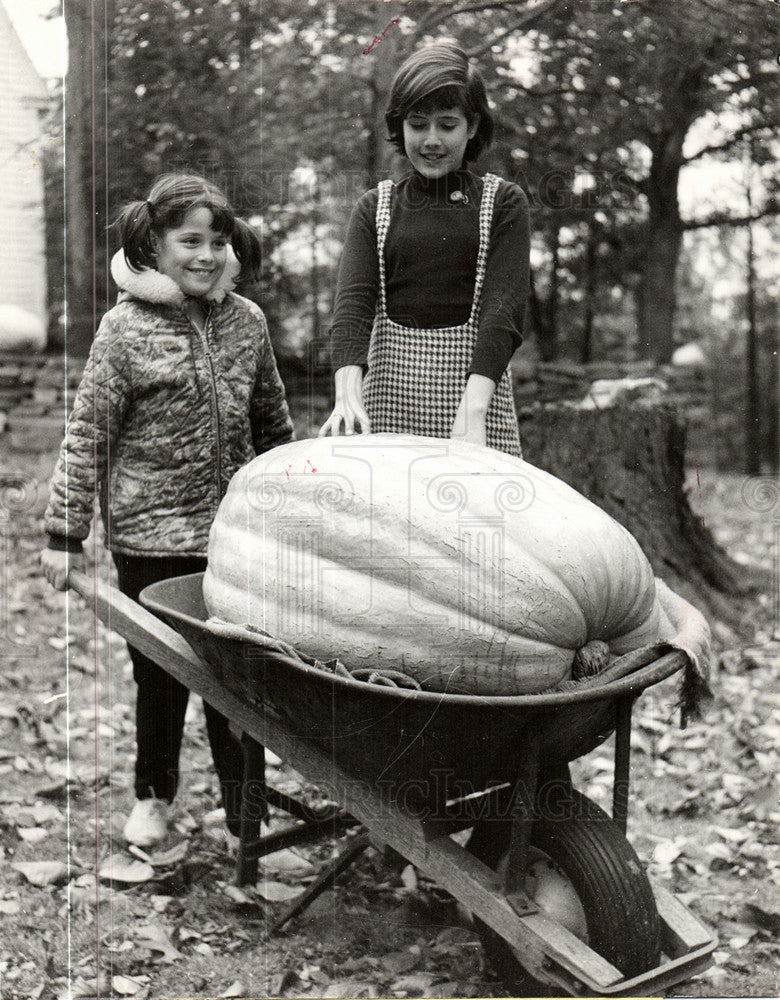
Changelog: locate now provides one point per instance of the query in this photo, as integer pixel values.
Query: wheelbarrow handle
(85, 586)
(134, 623)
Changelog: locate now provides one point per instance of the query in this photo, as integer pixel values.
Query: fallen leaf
(85, 881)
(350, 988)
(77, 988)
(42, 873)
(118, 868)
(734, 836)
(32, 834)
(760, 803)
(409, 878)
(735, 785)
(57, 791)
(398, 962)
(416, 985)
(188, 934)
(57, 770)
(153, 936)
(720, 851)
(175, 854)
(447, 989)
(216, 817)
(235, 989)
(139, 853)
(44, 812)
(128, 986)
(286, 861)
(277, 892)
(282, 981)
(765, 914)
(185, 824)
(668, 851)
(237, 895)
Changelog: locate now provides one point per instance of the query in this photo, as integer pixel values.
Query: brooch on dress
(459, 197)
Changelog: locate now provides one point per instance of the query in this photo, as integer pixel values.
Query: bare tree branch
(735, 140)
(446, 10)
(527, 19)
(770, 209)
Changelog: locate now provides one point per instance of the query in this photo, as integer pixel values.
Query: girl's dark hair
(438, 77)
(171, 197)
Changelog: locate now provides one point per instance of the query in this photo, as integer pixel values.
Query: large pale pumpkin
(468, 569)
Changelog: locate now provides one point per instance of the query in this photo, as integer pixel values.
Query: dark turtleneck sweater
(431, 261)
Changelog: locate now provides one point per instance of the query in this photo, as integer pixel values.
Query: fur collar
(150, 285)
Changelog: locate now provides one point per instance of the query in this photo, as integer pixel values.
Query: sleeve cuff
(493, 373)
(63, 543)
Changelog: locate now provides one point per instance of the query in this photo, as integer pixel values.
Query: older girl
(434, 274)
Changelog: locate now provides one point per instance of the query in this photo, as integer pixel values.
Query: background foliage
(607, 113)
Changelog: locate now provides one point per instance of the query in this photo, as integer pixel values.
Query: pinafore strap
(415, 376)
(487, 202)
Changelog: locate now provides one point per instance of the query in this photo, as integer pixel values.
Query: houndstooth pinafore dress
(416, 377)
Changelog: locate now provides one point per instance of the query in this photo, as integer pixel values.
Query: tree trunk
(85, 167)
(586, 343)
(664, 237)
(752, 409)
(629, 460)
(543, 312)
(78, 170)
(545, 336)
(386, 56)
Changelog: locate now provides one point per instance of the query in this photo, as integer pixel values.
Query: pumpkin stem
(590, 659)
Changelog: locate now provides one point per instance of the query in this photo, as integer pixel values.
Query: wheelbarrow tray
(545, 948)
(427, 746)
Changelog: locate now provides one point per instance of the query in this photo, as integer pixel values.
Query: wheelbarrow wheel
(615, 894)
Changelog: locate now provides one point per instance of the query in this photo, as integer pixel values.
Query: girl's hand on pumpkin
(470, 418)
(348, 410)
(475, 432)
(56, 565)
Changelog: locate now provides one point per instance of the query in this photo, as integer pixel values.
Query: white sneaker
(147, 823)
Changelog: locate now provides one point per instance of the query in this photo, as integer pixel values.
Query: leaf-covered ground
(82, 916)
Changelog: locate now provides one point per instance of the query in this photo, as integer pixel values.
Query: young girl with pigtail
(433, 278)
(180, 390)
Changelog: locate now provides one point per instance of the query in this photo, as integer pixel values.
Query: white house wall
(22, 231)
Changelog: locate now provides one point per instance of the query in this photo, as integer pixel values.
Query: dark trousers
(162, 702)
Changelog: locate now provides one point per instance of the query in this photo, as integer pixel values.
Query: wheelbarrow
(558, 894)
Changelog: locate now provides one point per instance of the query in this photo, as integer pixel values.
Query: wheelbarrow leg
(254, 809)
(620, 785)
(326, 878)
(523, 815)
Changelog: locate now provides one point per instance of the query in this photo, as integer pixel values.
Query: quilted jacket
(164, 416)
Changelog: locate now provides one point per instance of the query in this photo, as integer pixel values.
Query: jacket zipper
(204, 340)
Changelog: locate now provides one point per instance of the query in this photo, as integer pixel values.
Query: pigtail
(135, 224)
(246, 246)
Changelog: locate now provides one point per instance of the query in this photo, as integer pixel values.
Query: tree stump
(629, 459)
